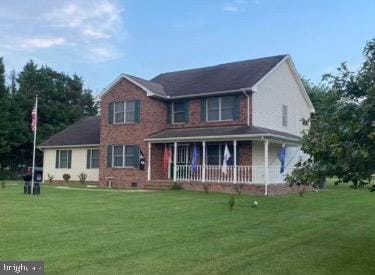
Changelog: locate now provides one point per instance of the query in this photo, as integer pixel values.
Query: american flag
(33, 119)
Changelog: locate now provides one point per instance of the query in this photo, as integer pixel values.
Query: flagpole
(36, 122)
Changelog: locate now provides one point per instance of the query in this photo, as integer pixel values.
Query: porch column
(266, 170)
(175, 162)
(149, 162)
(235, 161)
(203, 161)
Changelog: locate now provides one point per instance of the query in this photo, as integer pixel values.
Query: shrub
(238, 187)
(206, 187)
(231, 202)
(3, 184)
(176, 186)
(66, 178)
(50, 178)
(82, 178)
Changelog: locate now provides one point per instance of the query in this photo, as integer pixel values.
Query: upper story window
(63, 159)
(178, 112)
(92, 158)
(124, 112)
(220, 108)
(285, 115)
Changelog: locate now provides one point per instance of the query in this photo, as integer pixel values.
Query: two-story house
(185, 124)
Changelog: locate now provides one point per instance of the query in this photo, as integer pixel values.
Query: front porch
(252, 162)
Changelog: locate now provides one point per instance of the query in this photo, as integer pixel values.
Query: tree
(62, 101)
(341, 140)
(4, 116)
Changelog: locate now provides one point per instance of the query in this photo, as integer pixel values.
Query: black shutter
(109, 156)
(186, 110)
(238, 153)
(203, 109)
(169, 112)
(236, 107)
(69, 159)
(57, 162)
(136, 156)
(137, 111)
(88, 160)
(110, 112)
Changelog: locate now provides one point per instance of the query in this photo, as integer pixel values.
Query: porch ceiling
(221, 133)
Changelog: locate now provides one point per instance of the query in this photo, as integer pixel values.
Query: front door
(184, 156)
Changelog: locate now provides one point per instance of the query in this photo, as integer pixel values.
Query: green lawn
(82, 232)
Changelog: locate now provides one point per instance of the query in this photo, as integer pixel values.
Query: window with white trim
(123, 156)
(285, 115)
(124, 112)
(63, 159)
(92, 158)
(220, 108)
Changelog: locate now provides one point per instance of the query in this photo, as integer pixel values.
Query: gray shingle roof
(220, 132)
(84, 132)
(229, 76)
(152, 86)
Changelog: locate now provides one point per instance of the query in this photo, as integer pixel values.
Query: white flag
(225, 160)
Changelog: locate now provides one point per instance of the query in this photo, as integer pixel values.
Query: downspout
(248, 107)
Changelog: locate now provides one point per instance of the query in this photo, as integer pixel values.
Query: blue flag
(281, 156)
(195, 159)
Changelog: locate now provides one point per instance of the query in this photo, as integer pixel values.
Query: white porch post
(266, 170)
(175, 162)
(149, 162)
(203, 161)
(235, 161)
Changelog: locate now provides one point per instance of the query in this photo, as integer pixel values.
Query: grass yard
(169, 232)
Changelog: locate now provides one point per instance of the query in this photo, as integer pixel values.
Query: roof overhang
(276, 138)
(68, 146)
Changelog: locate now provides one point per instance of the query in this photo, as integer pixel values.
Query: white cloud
(46, 42)
(102, 54)
(238, 5)
(230, 8)
(94, 20)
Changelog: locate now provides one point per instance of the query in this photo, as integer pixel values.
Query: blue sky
(100, 39)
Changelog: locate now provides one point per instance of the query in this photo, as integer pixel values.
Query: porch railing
(243, 174)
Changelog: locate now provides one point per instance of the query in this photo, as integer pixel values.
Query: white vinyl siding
(78, 165)
(277, 89)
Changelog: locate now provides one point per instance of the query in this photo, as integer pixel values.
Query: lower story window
(124, 156)
(63, 159)
(92, 158)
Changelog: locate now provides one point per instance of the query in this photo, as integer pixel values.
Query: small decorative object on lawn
(255, 204)
(66, 178)
(3, 184)
(50, 178)
(231, 202)
(82, 178)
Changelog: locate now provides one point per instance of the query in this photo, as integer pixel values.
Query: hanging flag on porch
(226, 159)
(141, 160)
(281, 156)
(166, 159)
(195, 159)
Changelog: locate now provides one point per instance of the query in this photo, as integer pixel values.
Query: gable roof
(82, 133)
(224, 77)
(234, 76)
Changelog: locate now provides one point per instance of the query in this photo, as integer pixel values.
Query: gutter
(68, 146)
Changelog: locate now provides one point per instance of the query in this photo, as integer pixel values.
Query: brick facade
(153, 118)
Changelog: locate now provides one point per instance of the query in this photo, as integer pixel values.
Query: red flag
(166, 159)
(33, 120)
